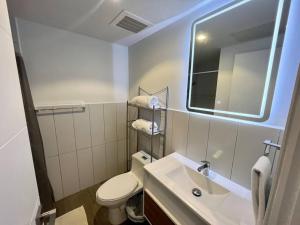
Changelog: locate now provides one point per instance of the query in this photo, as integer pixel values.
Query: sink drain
(196, 192)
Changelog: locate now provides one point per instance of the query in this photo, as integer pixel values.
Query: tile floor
(96, 214)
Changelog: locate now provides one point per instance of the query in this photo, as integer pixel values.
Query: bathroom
(149, 112)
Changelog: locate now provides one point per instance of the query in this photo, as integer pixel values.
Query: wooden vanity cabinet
(154, 214)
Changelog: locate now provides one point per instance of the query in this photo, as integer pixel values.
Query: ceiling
(93, 17)
(239, 25)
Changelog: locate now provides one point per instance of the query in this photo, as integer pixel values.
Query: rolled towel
(260, 175)
(145, 125)
(146, 101)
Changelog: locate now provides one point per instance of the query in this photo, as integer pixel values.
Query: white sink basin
(221, 202)
(188, 179)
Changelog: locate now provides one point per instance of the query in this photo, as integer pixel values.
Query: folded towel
(146, 101)
(260, 175)
(145, 126)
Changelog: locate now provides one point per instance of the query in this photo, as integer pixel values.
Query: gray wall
(64, 67)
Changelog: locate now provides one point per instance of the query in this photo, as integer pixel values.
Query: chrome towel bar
(269, 145)
(60, 108)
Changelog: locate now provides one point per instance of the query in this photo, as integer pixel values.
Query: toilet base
(117, 215)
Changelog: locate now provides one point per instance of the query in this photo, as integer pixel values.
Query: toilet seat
(117, 188)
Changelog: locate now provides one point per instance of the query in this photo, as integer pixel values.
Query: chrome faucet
(204, 168)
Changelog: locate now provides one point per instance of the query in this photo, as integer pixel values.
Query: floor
(96, 214)
(74, 217)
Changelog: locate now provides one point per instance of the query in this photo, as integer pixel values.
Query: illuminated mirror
(234, 59)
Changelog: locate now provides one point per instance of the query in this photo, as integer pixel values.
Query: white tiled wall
(197, 137)
(249, 148)
(64, 127)
(97, 124)
(180, 126)
(221, 145)
(231, 147)
(122, 159)
(85, 168)
(69, 173)
(53, 169)
(121, 120)
(84, 148)
(111, 152)
(110, 122)
(99, 163)
(49, 136)
(82, 129)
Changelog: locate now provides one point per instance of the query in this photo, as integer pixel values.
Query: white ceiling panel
(93, 17)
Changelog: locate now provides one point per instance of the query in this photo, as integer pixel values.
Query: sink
(187, 178)
(215, 199)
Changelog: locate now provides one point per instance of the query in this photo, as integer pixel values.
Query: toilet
(115, 192)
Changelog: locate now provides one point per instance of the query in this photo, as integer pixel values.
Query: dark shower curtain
(37, 148)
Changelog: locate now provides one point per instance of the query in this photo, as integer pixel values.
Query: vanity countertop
(222, 202)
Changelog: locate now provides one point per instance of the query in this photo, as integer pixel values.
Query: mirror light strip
(272, 56)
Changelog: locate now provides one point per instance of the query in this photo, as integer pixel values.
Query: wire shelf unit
(154, 115)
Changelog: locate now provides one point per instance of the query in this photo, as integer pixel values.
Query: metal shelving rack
(163, 96)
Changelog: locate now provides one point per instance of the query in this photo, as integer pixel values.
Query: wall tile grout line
(208, 135)
(91, 148)
(234, 151)
(187, 135)
(104, 124)
(76, 150)
(171, 133)
(59, 162)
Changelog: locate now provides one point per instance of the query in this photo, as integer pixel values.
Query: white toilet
(115, 192)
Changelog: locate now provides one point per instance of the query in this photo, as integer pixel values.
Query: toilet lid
(117, 187)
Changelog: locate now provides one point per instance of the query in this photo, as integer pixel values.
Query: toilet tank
(139, 160)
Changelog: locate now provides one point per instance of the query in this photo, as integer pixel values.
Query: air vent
(130, 22)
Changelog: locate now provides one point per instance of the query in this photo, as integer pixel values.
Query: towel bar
(269, 144)
(54, 109)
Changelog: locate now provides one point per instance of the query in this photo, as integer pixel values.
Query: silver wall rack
(163, 96)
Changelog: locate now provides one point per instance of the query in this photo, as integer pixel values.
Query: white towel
(145, 126)
(260, 175)
(146, 101)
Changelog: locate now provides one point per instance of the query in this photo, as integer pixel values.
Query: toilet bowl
(115, 192)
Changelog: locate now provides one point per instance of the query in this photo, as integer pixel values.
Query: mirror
(234, 60)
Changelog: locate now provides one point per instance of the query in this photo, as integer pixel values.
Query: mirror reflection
(234, 59)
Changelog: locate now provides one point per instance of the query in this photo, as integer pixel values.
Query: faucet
(204, 168)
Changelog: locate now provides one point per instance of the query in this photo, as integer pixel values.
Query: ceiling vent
(130, 22)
